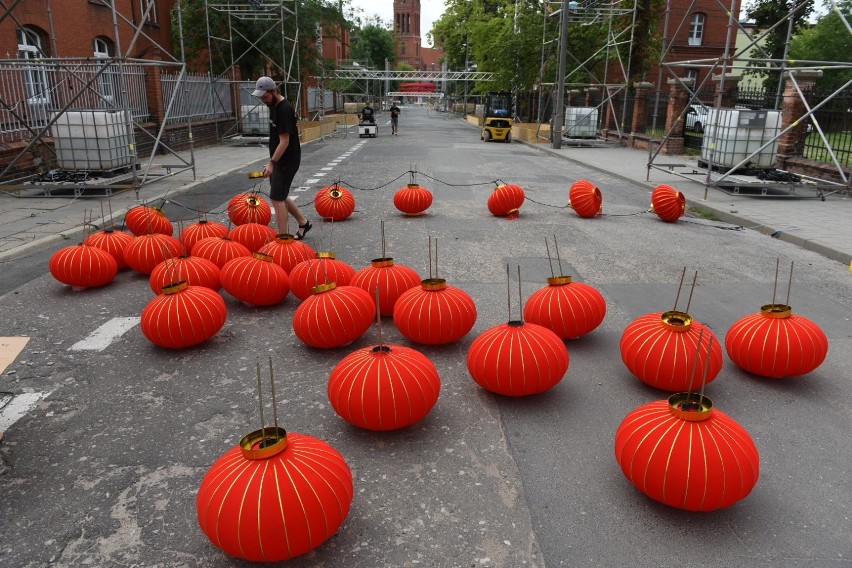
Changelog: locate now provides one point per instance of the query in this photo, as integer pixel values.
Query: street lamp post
(558, 116)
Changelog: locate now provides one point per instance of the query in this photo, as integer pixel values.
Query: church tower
(406, 32)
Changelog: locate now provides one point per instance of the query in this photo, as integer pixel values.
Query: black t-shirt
(282, 118)
(394, 110)
(367, 113)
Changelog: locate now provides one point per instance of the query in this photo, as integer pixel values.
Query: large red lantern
(249, 208)
(142, 219)
(506, 200)
(183, 315)
(434, 313)
(668, 203)
(111, 241)
(256, 280)
(391, 279)
(413, 199)
(252, 235)
(334, 316)
(334, 202)
(662, 350)
(570, 309)
(145, 252)
(585, 199)
(275, 496)
(775, 343)
(385, 387)
(312, 272)
(219, 250)
(193, 270)
(201, 230)
(687, 454)
(287, 252)
(517, 359)
(83, 266)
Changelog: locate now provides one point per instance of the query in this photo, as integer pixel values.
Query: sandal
(303, 230)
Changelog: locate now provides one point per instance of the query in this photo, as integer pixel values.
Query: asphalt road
(103, 471)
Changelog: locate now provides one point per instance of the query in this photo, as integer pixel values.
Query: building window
(692, 74)
(696, 29)
(151, 17)
(104, 49)
(402, 49)
(30, 42)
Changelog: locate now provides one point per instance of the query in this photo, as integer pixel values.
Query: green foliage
(767, 13)
(373, 44)
(828, 40)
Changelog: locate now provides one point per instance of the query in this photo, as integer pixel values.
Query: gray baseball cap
(263, 84)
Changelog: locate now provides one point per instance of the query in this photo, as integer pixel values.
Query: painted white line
(105, 335)
(326, 169)
(312, 180)
(18, 407)
(303, 188)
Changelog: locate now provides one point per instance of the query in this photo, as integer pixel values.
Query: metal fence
(199, 97)
(32, 92)
(835, 120)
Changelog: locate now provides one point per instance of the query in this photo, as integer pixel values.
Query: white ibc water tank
(92, 140)
(736, 133)
(580, 122)
(255, 120)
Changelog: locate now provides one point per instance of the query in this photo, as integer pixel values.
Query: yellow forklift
(497, 117)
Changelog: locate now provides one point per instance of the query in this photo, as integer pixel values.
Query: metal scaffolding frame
(83, 74)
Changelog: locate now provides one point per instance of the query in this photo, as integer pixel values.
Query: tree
(767, 13)
(373, 44)
(828, 40)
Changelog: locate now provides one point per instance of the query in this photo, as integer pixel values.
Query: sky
(430, 10)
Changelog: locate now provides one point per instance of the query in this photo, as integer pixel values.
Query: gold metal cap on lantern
(335, 193)
(676, 321)
(262, 256)
(382, 262)
(559, 280)
(776, 311)
(326, 254)
(384, 349)
(690, 406)
(175, 287)
(255, 175)
(324, 287)
(433, 284)
(265, 443)
(284, 237)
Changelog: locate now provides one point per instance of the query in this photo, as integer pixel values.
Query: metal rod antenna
(549, 260)
(274, 404)
(695, 363)
(379, 317)
(558, 257)
(679, 287)
(111, 219)
(509, 291)
(520, 297)
(260, 400)
(436, 260)
(383, 239)
(706, 369)
(775, 287)
(430, 256)
(691, 290)
(789, 284)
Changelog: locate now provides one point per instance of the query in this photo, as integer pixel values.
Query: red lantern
(775, 343)
(686, 454)
(83, 266)
(145, 252)
(569, 309)
(201, 230)
(385, 387)
(310, 273)
(275, 496)
(111, 241)
(141, 220)
(252, 235)
(287, 252)
(506, 201)
(249, 208)
(334, 316)
(392, 280)
(661, 350)
(517, 359)
(219, 250)
(193, 270)
(334, 202)
(434, 313)
(413, 199)
(585, 199)
(668, 203)
(183, 315)
(255, 280)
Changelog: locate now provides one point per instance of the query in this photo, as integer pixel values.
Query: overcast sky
(430, 10)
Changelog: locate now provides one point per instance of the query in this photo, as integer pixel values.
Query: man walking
(394, 110)
(285, 156)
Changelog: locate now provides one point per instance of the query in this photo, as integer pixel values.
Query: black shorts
(281, 180)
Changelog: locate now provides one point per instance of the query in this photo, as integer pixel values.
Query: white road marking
(303, 188)
(310, 181)
(325, 169)
(105, 335)
(18, 407)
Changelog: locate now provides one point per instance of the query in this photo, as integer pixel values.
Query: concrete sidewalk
(824, 227)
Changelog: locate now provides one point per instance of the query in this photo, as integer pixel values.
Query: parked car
(696, 118)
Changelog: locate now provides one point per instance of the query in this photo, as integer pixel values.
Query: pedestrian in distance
(394, 110)
(285, 156)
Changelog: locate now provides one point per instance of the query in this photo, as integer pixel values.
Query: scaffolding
(79, 100)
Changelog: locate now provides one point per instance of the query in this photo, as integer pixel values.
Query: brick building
(406, 30)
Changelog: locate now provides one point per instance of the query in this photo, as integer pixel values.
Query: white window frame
(696, 28)
(35, 77)
(152, 15)
(106, 80)
(692, 74)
